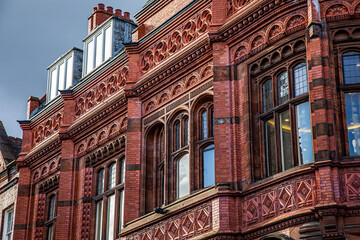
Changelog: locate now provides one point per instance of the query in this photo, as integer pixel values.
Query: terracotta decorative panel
(47, 128)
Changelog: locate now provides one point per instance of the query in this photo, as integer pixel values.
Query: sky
(33, 34)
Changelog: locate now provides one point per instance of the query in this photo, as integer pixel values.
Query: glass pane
(183, 176)
(285, 140)
(209, 166)
(108, 43)
(100, 183)
(177, 135)
(112, 176)
(52, 207)
(283, 87)
(303, 125)
(99, 216)
(62, 77)
(110, 217)
(352, 102)
(90, 57)
(212, 121)
(50, 233)
(300, 79)
(162, 186)
(99, 49)
(53, 85)
(121, 209)
(122, 170)
(9, 223)
(204, 127)
(270, 147)
(351, 67)
(186, 131)
(69, 72)
(267, 95)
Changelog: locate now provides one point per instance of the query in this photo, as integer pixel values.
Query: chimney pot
(109, 9)
(118, 13)
(101, 6)
(127, 15)
(94, 9)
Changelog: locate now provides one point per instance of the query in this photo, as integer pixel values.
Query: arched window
(208, 166)
(111, 176)
(177, 135)
(183, 174)
(204, 124)
(51, 217)
(350, 89)
(287, 126)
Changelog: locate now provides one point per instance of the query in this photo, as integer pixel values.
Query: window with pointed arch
(349, 84)
(285, 116)
(51, 216)
(204, 158)
(109, 199)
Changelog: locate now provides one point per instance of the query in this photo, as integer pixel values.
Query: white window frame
(6, 233)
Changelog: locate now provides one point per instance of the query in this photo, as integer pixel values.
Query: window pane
(99, 49)
(100, 183)
(99, 216)
(108, 43)
(270, 147)
(186, 131)
(300, 79)
(69, 72)
(8, 224)
(351, 67)
(122, 170)
(50, 232)
(110, 217)
(177, 135)
(112, 176)
(352, 102)
(283, 87)
(204, 127)
(162, 185)
(90, 57)
(303, 125)
(62, 77)
(267, 95)
(52, 207)
(212, 121)
(209, 166)
(53, 85)
(183, 176)
(285, 140)
(121, 209)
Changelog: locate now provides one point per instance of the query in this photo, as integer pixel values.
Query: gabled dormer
(108, 31)
(64, 73)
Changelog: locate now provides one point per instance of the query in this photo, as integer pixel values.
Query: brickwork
(212, 56)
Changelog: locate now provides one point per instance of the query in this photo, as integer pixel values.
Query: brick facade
(194, 78)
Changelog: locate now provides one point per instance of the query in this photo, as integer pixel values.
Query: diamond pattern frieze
(268, 204)
(352, 186)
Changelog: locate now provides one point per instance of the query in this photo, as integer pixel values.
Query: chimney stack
(127, 15)
(118, 13)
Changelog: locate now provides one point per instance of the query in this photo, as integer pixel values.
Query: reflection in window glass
(209, 166)
(183, 176)
(300, 79)
(112, 176)
(267, 95)
(285, 140)
(283, 87)
(352, 102)
(186, 131)
(108, 43)
(99, 216)
(122, 170)
(69, 72)
(110, 217)
(204, 127)
(121, 211)
(99, 49)
(270, 147)
(303, 125)
(52, 207)
(100, 183)
(90, 57)
(8, 224)
(351, 67)
(177, 135)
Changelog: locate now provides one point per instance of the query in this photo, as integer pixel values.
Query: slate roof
(10, 147)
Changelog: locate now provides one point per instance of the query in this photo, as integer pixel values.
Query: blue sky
(33, 34)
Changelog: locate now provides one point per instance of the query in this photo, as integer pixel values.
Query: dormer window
(64, 73)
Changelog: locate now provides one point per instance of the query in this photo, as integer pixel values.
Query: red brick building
(224, 119)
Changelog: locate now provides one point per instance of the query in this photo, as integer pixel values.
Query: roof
(10, 147)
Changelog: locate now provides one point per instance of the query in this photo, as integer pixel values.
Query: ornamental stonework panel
(350, 184)
(340, 10)
(47, 128)
(273, 201)
(189, 224)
